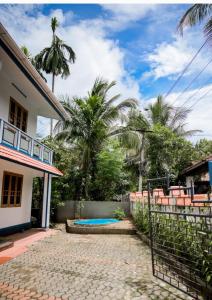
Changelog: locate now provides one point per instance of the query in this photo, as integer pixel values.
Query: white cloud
(122, 15)
(169, 59)
(96, 55)
(201, 107)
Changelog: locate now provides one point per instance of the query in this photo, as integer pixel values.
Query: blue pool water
(96, 222)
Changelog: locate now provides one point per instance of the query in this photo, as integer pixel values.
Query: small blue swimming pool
(96, 222)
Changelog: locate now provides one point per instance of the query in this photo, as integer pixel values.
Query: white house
(24, 96)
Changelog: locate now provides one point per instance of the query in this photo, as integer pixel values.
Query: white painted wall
(17, 215)
(7, 90)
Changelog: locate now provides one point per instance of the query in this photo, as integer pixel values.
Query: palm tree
(92, 120)
(196, 14)
(56, 58)
(32, 60)
(160, 112)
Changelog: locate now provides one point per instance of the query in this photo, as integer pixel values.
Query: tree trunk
(51, 120)
(141, 166)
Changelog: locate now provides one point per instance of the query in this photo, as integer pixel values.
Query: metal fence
(181, 240)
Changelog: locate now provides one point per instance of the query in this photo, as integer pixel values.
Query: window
(11, 190)
(18, 115)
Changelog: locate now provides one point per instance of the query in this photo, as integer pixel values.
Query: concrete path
(83, 267)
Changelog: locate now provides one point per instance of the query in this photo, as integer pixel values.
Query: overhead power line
(193, 80)
(205, 94)
(195, 93)
(185, 69)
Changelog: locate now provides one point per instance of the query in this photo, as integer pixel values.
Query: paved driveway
(81, 267)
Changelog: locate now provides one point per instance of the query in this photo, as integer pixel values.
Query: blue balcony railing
(15, 138)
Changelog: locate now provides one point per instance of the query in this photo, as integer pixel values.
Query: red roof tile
(19, 158)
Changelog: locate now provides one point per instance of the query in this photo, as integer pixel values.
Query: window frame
(11, 174)
(23, 111)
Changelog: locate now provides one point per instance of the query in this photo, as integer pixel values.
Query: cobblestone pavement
(83, 267)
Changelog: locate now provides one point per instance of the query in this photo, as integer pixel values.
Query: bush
(119, 213)
(183, 238)
(141, 218)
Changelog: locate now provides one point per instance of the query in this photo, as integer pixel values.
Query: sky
(136, 45)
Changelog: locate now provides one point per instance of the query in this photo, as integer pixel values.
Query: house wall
(7, 90)
(12, 216)
(91, 209)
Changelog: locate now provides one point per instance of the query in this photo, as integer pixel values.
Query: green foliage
(55, 59)
(110, 178)
(167, 152)
(119, 214)
(140, 217)
(66, 187)
(181, 237)
(165, 114)
(203, 148)
(197, 14)
(89, 127)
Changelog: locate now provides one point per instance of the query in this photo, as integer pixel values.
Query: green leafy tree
(111, 178)
(197, 14)
(159, 113)
(167, 152)
(65, 187)
(203, 148)
(92, 121)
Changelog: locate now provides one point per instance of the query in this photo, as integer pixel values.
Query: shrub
(119, 213)
(141, 218)
(183, 238)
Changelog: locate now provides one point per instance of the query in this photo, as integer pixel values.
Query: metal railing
(15, 138)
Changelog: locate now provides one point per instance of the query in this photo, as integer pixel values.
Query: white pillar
(46, 200)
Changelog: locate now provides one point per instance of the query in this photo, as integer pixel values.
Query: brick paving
(22, 241)
(83, 267)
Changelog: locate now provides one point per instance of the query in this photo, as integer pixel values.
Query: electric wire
(200, 98)
(185, 69)
(193, 80)
(195, 93)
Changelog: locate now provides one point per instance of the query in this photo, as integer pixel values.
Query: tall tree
(56, 58)
(92, 120)
(164, 114)
(196, 14)
(161, 114)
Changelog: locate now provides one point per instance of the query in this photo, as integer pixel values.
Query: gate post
(150, 225)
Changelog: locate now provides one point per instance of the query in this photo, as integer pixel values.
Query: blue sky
(136, 39)
(136, 45)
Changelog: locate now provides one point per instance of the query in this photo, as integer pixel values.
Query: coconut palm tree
(196, 14)
(159, 113)
(92, 120)
(162, 113)
(56, 58)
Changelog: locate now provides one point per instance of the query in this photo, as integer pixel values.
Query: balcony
(16, 139)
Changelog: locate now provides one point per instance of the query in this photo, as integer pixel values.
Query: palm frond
(194, 15)
(208, 30)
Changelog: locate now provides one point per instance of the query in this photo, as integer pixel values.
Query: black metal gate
(181, 238)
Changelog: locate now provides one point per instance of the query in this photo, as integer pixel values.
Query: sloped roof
(197, 165)
(12, 49)
(27, 161)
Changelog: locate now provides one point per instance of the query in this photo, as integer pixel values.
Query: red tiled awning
(25, 160)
